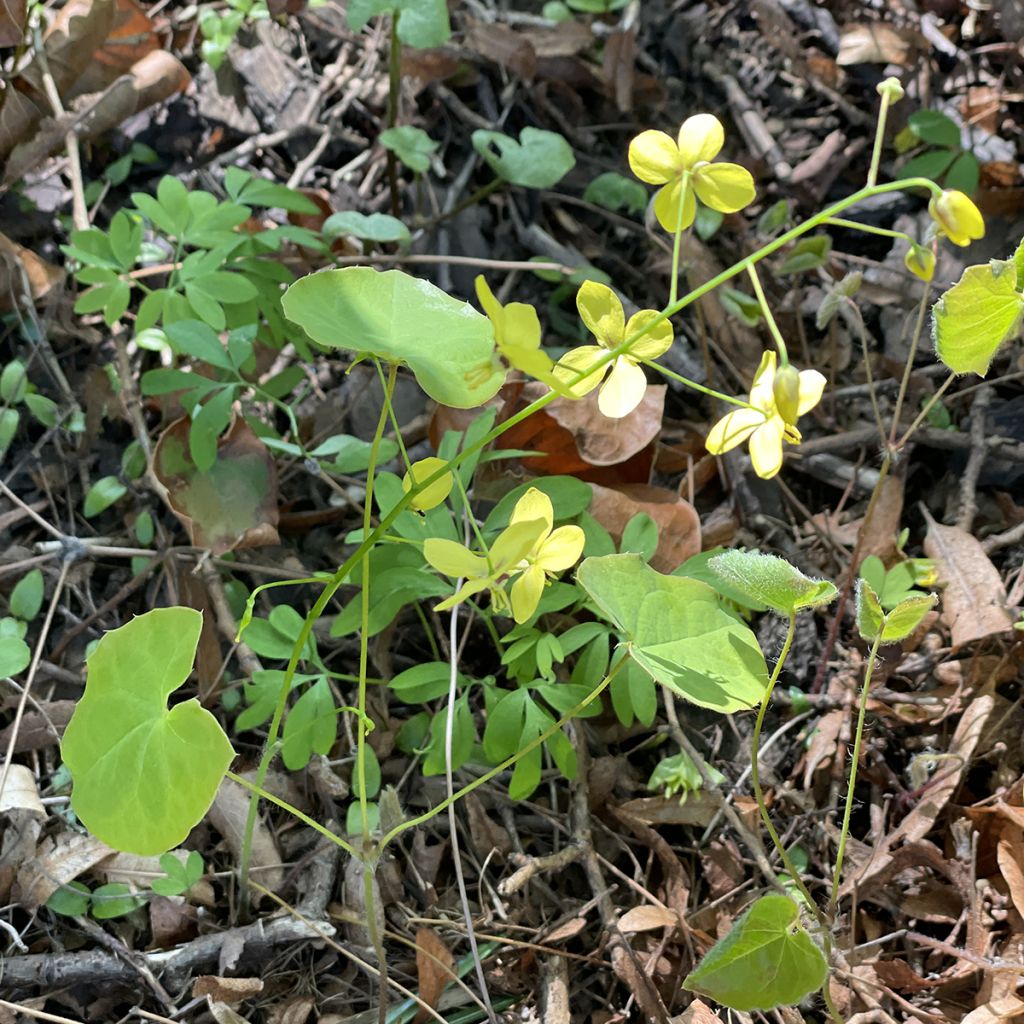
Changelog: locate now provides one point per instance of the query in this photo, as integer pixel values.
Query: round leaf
(539, 159)
(377, 227)
(766, 960)
(144, 775)
(447, 344)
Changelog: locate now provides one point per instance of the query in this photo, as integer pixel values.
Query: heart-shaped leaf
(772, 581)
(678, 632)
(539, 159)
(766, 960)
(979, 313)
(401, 319)
(144, 774)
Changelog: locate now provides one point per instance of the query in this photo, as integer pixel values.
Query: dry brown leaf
(569, 930)
(58, 860)
(18, 264)
(20, 792)
(1010, 856)
(295, 1011)
(223, 1014)
(874, 43)
(434, 969)
(973, 595)
(226, 990)
(1001, 1001)
(619, 66)
(172, 921)
(131, 37)
(227, 815)
(12, 21)
(566, 39)
(698, 1013)
(678, 522)
(698, 809)
(647, 918)
(602, 441)
(502, 45)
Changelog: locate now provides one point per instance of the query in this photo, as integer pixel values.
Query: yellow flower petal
(957, 217)
(657, 341)
(433, 495)
(468, 589)
(700, 138)
(812, 384)
(624, 389)
(733, 429)
(526, 593)
(601, 310)
(762, 392)
(724, 187)
(666, 207)
(766, 448)
(534, 504)
(561, 549)
(575, 362)
(453, 559)
(515, 542)
(488, 303)
(654, 157)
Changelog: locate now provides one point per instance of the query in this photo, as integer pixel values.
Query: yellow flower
(601, 310)
(481, 572)
(684, 166)
(432, 496)
(764, 424)
(552, 551)
(517, 335)
(957, 217)
(920, 261)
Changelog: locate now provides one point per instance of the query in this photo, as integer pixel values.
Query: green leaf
(311, 726)
(113, 900)
(766, 960)
(906, 617)
(807, 254)
(27, 596)
(423, 682)
(181, 874)
(740, 305)
(539, 159)
(70, 900)
(14, 656)
(934, 127)
(375, 227)
(413, 146)
(144, 775)
(125, 239)
(43, 409)
(206, 427)
(964, 174)
(200, 341)
(446, 343)
(244, 187)
(678, 633)
(102, 495)
(371, 768)
(932, 164)
(9, 420)
(977, 315)
(870, 617)
(771, 581)
(13, 382)
(422, 23)
(615, 191)
(640, 536)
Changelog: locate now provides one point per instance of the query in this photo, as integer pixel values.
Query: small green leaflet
(539, 159)
(678, 633)
(895, 625)
(144, 774)
(767, 960)
(977, 315)
(447, 344)
(772, 581)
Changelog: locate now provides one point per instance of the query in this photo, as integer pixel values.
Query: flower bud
(890, 88)
(957, 217)
(786, 392)
(920, 262)
(433, 494)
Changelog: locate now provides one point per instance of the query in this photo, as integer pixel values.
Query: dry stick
(32, 669)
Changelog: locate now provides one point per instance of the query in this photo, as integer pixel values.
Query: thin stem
(677, 239)
(845, 830)
(780, 342)
(927, 409)
(481, 193)
(868, 229)
(394, 96)
(755, 772)
(908, 367)
(693, 385)
(876, 152)
(420, 819)
(853, 313)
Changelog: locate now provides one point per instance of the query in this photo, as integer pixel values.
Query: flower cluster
(527, 551)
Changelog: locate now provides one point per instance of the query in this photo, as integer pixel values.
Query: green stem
(677, 239)
(755, 773)
(927, 409)
(876, 152)
(908, 367)
(694, 386)
(780, 342)
(845, 830)
(421, 819)
(394, 95)
(481, 193)
(868, 229)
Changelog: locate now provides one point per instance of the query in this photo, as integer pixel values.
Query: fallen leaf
(1002, 1004)
(226, 990)
(502, 45)
(698, 809)
(698, 1013)
(12, 21)
(874, 43)
(234, 505)
(130, 38)
(619, 66)
(19, 265)
(228, 815)
(20, 792)
(172, 921)
(434, 963)
(58, 860)
(679, 535)
(973, 595)
(1010, 856)
(647, 918)
(295, 1011)
(569, 930)
(138, 871)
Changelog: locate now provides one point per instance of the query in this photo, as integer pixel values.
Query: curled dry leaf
(20, 266)
(874, 43)
(647, 918)
(227, 815)
(130, 38)
(973, 595)
(678, 522)
(226, 990)
(698, 1012)
(234, 505)
(434, 968)
(20, 792)
(58, 860)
